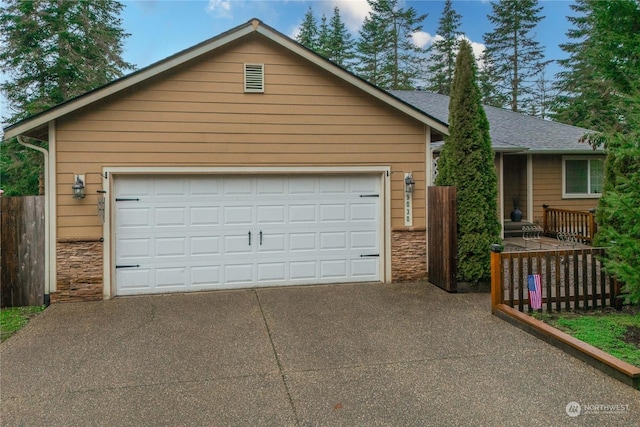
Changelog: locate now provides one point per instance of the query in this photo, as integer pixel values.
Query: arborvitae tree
(602, 67)
(402, 59)
(442, 60)
(340, 45)
(308, 35)
(52, 51)
(466, 162)
(371, 52)
(517, 56)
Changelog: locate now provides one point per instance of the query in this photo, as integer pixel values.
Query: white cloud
(422, 39)
(352, 12)
(220, 8)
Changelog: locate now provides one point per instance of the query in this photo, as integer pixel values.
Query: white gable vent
(254, 78)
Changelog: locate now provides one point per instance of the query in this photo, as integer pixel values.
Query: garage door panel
(302, 242)
(238, 273)
(274, 214)
(205, 245)
(170, 247)
(205, 276)
(193, 233)
(302, 213)
(234, 215)
(239, 244)
(171, 277)
(271, 272)
(333, 269)
(204, 216)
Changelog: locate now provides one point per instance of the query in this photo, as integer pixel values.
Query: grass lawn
(616, 333)
(12, 319)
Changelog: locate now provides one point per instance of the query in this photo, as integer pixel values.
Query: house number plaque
(408, 208)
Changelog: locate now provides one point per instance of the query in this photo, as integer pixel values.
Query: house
(538, 162)
(244, 161)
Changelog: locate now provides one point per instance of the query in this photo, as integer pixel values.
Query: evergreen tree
(399, 59)
(488, 82)
(53, 51)
(603, 64)
(340, 42)
(371, 52)
(517, 56)
(443, 51)
(308, 35)
(466, 162)
(323, 38)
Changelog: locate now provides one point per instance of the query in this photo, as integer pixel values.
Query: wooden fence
(570, 279)
(442, 234)
(578, 224)
(21, 251)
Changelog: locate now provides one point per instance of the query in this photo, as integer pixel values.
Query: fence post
(497, 290)
(592, 225)
(545, 219)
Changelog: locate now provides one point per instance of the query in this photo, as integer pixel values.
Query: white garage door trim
(109, 226)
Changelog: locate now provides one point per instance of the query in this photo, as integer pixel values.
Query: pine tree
(443, 51)
(602, 67)
(466, 162)
(51, 52)
(389, 35)
(517, 56)
(371, 52)
(340, 42)
(324, 37)
(308, 34)
(488, 82)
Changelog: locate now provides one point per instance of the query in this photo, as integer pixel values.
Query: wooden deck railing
(570, 279)
(579, 224)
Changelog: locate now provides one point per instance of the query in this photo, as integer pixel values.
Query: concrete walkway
(349, 355)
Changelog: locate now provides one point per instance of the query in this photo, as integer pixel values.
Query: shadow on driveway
(365, 354)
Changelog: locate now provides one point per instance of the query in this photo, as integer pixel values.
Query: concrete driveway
(366, 354)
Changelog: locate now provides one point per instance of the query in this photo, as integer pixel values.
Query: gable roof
(510, 131)
(253, 26)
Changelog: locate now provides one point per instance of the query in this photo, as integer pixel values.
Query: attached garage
(244, 161)
(203, 232)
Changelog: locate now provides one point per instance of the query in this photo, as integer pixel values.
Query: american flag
(535, 291)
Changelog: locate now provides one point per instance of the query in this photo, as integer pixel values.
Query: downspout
(47, 224)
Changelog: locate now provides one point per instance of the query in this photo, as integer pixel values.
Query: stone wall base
(79, 264)
(408, 255)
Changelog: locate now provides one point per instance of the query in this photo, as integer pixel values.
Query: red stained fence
(571, 279)
(580, 224)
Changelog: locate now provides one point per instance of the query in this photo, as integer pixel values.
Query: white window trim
(566, 195)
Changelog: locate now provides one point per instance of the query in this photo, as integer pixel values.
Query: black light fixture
(409, 184)
(78, 187)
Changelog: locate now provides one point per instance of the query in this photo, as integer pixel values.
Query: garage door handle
(128, 266)
(260, 237)
(249, 238)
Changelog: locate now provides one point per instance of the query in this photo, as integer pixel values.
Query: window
(582, 177)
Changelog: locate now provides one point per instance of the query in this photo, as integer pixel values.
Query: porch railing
(569, 280)
(579, 224)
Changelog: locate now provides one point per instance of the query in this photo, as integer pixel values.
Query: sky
(161, 28)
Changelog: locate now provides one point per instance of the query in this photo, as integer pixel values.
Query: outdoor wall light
(78, 187)
(409, 184)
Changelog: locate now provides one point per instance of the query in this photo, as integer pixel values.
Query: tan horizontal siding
(547, 186)
(198, 115)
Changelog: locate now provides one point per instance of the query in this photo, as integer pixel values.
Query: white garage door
(200, 232)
